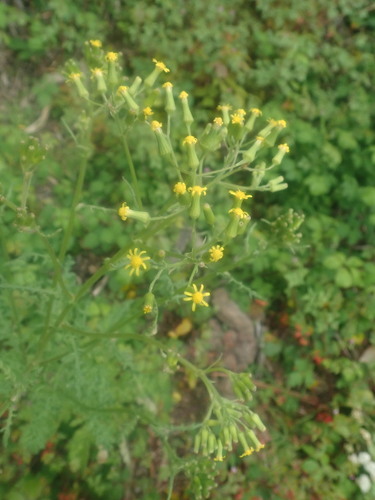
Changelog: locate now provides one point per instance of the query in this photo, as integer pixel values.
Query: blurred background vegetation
(310, 63)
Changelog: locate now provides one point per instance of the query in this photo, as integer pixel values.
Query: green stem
(129, 160)
(26, 188)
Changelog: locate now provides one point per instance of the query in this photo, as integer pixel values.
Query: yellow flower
(241, 112)
(260, 447)
(183, 95)
(237, 118)
(197, 297)
(281, 123)
(147, 111)
(122, 89)
(284, 147)
(179, 188)
(224, 107)
(198, 190)
(216, 253)
(239, 213)
(147, 309)
(123, 211)
(160, 65)
(190, 139)
(137, 262)
(97, 72)
(218, 121)
(256, 111)
(240, 195)
(155, 125)
(247, 452)
(74, 76)
(167, 85)
(111, 56)
(96, 43)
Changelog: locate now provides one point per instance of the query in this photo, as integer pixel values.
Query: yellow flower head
(147, 111)
(239, 213)
(218, 121)
(224, 107)
(237, 118)
(256, 111)
(247, 452)
(96, 43)
(197, 297)
(160, 65)
(183, 95)
(75, 76)
(137, 262)
(97, 72)
(122, 89)
(260, 447)
(240, 195)
(216, 253)
(167, 85)
(123, 211)
(284, 147)
(272, 122)
(281, 123)
(190, 139)
(241, 112)
(179, 188)
(111, 56)
(147, 309)
(198, 190)
(156, 125)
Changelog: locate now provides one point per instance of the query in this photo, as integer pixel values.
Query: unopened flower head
(111, 56)
(236, 118)
(97, 72)
(137, 262)
(197, 297)
(156, 126)
(247, 452)
(216, 253)
(281, 123)
(179, 188)
(197, 190)
(74, 76)
(183, 95)
(123, 211)
(167, 85)
(256, 111)
(190, 139)
(224, 107)
(218, 121)
(241, 112)
(259, 139)
(96, 43)
(240, 195)
(239, 213)
(122, 90)
(161, 66)
(284, 147)
(147, 111)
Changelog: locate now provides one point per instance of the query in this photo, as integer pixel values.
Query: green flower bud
(124, 93)
(186, 113)
(133, 89)
(170, 106)
(208, 214)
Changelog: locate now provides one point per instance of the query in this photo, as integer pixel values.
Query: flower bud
(125, 213)
(225, 108)
(208, 214)
(112, 58)
(101, 86)
(186, 113)
(133, 89)
(124, 93)
(258, 174)
(162, 140)
(160, 67)
(283, 149)
(250, 154)
(190, 142)
(149, 303)
(76, 79)
(170, 106)
(255, 112)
